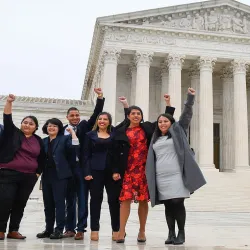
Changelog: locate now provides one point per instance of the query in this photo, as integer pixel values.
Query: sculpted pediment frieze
(222, 20)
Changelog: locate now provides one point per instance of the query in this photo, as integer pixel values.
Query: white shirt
(67, 133)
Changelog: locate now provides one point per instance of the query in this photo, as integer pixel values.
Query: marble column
(110, 59)
(206, 146)
(240, 115)
(143, 61)
(194, 75)
(175, 62)
(164, 86)
(228, 117)
(132, 71)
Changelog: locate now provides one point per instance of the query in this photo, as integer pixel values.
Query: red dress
(135, 185)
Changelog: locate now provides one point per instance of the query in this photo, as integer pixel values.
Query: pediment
(227, 16)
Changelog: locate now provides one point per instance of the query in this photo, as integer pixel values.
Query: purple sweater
(25, 160)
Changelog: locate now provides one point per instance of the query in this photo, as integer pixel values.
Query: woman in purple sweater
(21, 162)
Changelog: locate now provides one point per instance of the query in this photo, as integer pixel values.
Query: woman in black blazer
(21, 163)
(131, 144)
(98, 172)
(55, 176)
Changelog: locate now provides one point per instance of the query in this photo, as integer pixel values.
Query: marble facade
(145, 54)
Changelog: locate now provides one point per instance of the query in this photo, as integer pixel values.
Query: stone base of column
(207, 167)
(227, 170)
(242, 168)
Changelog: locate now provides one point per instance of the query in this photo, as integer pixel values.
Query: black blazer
(11, 141)
(120, 151)
(61, 150)
(82, 128)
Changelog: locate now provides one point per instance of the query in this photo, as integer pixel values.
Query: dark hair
(136, 108)
(56, 122)
(96, 128)
(72, 109)
(33, 118)
(157, 132)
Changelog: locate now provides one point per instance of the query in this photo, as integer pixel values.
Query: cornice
(42, 100)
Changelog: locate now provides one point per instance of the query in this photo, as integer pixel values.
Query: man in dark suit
(77, 189)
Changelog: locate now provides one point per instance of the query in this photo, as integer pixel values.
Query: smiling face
(164, 124)
(73, 117)
(135, 117)
(28, 126)
(103, 122)
(52, 129)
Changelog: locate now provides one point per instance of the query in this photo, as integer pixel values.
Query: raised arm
(7, 114)
(187, 112)
(72, 141)
(98, 108)
(124, 102)
(169, 110)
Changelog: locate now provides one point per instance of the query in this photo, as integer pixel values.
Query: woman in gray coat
(171, 170)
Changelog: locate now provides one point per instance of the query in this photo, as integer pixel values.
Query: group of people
(136, 161)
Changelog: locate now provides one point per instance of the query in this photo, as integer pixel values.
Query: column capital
(207, 63)
(111, 55)
(194, 71)
(240, 66)
(227, 72)
(175, 60)
(144, 58)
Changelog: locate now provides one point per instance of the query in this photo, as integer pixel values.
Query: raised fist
(123, 99)
(98, 91)
(11, 98)
(167, 97)
(191, 91)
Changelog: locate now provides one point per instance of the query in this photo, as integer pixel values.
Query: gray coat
(192, 176)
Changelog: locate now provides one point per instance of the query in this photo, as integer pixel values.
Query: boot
(171, 237)
(180, 238)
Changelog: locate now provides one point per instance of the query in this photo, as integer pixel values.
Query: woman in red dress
(131, 144)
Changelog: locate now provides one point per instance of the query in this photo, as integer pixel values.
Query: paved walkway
(204, 230)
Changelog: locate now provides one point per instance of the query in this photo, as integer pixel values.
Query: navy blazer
(96, 152)
(62, 147)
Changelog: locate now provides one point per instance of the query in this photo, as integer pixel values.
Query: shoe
(94, 235)
(15, 235)
(180, 238)
(44, 234)
(2, 235)
(56, 235)
(171, 238)
(79, 236)
(141, 240)
(68, 234)
(114, 236)
(121, 240)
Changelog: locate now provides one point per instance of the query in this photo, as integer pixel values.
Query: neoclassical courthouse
(144, 54)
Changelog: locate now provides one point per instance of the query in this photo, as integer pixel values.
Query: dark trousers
(101, 179)
(15, 189)
(175, 212)
(77, 192)
(54, 194)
